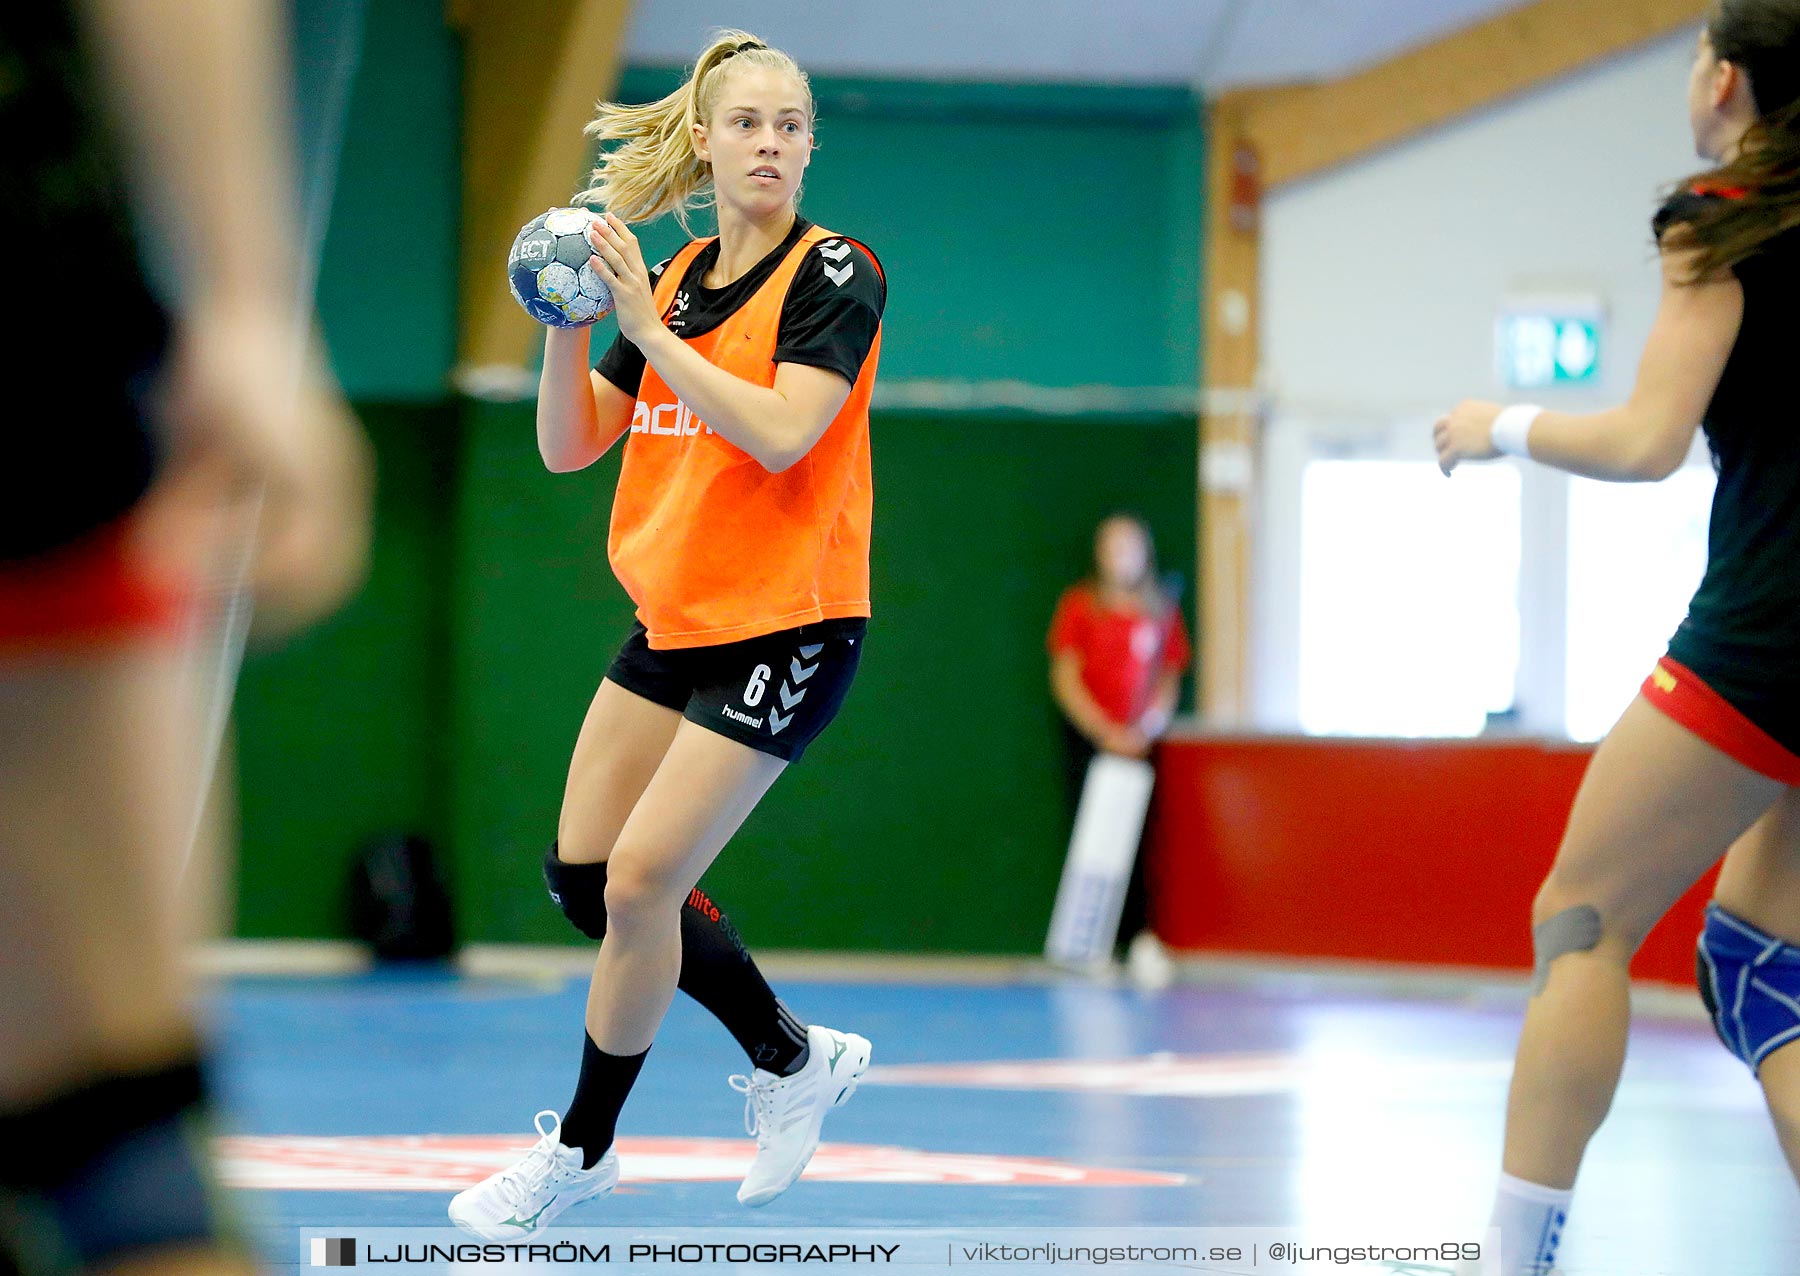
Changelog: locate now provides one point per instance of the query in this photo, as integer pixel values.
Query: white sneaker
(784, 1113)
(1147, 962)
(523, 1198)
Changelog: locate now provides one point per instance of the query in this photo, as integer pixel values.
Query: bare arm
(776, 425)
(200, 88)
(580, 414)
(1072, 698)
(1648, 437)
(1163, 701)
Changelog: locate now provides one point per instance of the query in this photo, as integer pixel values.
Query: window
(1636, 554)
(1394, 602)
(1409, 588)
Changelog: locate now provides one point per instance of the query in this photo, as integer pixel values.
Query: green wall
(937, 792)
(343, 732)
(1038, 234)
(387, 276)
(1046, 234)
(446, 698)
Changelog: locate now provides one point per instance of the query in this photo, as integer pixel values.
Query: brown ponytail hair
(655, 170)
(1761, 38)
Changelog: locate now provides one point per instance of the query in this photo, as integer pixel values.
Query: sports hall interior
(1219, 263)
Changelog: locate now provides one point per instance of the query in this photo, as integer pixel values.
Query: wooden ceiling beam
(1305, 128)
(533, 71)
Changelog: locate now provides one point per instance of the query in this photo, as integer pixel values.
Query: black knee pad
(116, 1167)
(580, 891)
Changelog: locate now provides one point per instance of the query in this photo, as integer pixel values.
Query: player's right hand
(256, 417)
(1465, 434)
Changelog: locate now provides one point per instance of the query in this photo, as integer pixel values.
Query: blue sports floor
(1238, 1100)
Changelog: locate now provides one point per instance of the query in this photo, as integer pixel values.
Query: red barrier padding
(1418, 852)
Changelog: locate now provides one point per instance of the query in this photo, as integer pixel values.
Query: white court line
(1273, 977)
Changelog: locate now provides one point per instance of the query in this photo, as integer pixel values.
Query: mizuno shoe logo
(837, 1052)
(529, 1223)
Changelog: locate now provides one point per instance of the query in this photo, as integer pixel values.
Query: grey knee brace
(580, 891)
(1574, 930)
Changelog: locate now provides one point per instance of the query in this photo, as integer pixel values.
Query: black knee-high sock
(593, 1116)
(717, 972)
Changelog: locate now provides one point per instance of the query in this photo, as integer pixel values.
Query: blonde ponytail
(654, 170)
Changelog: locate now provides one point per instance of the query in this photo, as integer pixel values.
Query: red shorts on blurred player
(1683, 696)
(102, 589)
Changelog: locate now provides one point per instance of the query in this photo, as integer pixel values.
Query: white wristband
(1512, 429)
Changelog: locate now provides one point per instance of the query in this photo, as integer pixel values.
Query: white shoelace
(520, 1183)
(759, 1106)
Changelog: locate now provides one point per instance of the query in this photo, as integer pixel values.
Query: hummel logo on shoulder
(841, 277)
(837, 250)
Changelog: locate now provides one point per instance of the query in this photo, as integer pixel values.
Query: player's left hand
(620, 262)
(1466, 434)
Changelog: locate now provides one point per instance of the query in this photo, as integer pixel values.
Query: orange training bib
(711, 546)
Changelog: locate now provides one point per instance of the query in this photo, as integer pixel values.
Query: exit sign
(1537, 347)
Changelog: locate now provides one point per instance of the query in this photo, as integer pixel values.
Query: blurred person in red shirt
(1118, 649)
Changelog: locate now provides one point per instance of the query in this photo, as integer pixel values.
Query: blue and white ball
(550, 274)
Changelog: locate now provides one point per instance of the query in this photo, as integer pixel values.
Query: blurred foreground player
(146, 423)
(1705, 762)
(739, 384)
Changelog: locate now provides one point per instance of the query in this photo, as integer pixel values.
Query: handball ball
(550, 274)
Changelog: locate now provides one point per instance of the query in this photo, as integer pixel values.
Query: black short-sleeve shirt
(827, 321)
(62, 166)
(1742, 632)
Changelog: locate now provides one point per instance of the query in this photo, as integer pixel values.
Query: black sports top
(84, 451)
(827, 321)
(1742, 632)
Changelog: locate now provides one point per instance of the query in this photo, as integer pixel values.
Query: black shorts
(1762, 685)
(774, 693)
